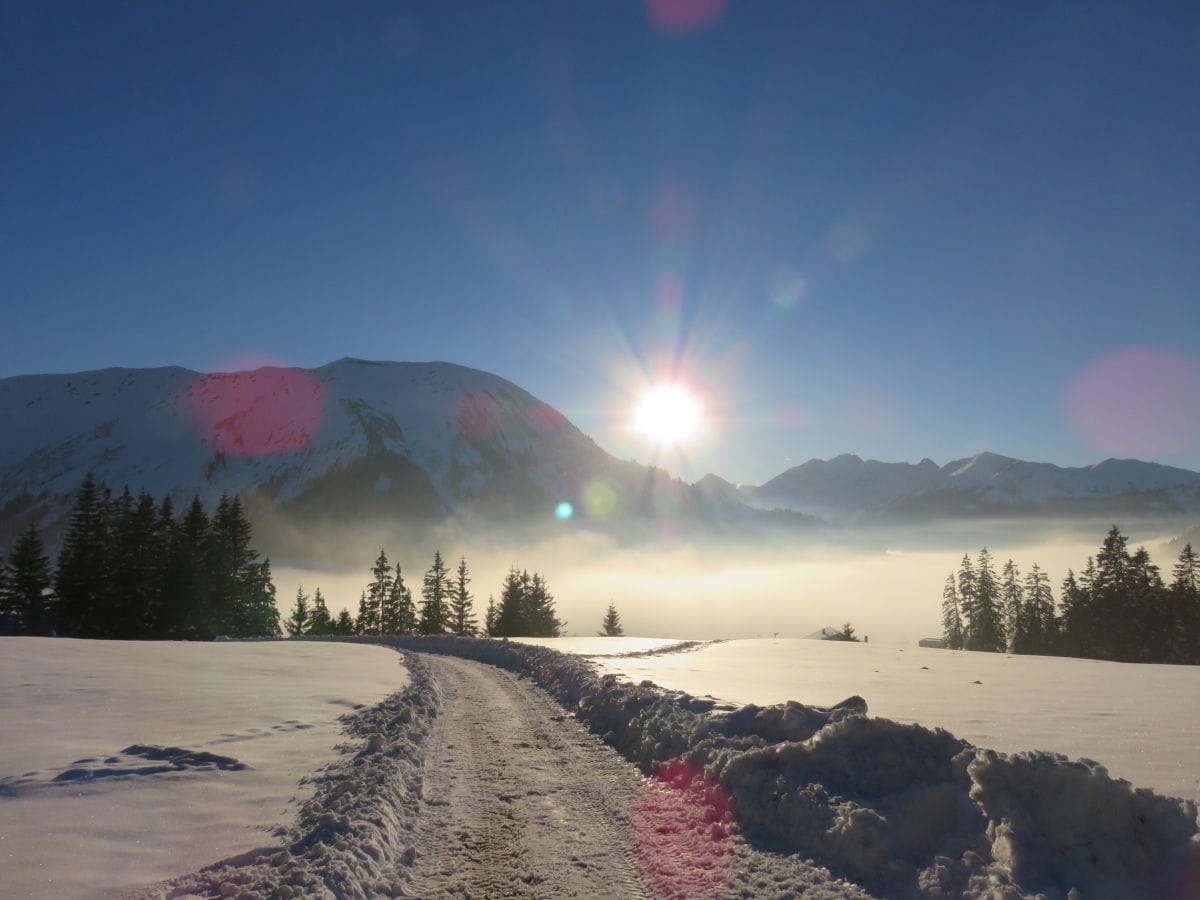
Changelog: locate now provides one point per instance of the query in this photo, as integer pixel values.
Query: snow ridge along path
(474, 783)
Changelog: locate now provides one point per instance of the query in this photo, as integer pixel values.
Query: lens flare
(564, 510)
(682, 829)
(270, 410)
(1138, 401)
(668, 414)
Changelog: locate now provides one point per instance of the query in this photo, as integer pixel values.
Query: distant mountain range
(848, 489)
(350, 446)
(320, 454)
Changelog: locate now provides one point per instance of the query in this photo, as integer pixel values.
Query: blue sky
(899, 230)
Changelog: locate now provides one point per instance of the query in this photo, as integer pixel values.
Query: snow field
(1141, 721)
(127, 762)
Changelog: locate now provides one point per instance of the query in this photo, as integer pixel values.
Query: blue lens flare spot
(564, 510)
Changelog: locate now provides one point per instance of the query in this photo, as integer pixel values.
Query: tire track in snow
(519, 800)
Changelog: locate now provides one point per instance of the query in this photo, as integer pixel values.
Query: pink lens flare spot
(682, 827)
(1138, 401)
(477, 417)
(677, 16)
(269, 410)
(546, 417)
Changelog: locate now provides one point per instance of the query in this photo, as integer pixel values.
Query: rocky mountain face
(316, 452)
(848, 489)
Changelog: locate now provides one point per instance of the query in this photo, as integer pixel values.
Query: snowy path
(519, 799)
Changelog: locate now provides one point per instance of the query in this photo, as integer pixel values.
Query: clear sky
(894, 229)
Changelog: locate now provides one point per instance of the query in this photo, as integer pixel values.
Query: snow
(92, 793)
(600, 646)
(739, 795)
(1140, 721)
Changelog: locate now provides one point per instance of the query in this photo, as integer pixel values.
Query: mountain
(315, 453)
(850, 489)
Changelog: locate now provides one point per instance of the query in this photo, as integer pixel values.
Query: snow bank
(901, 809)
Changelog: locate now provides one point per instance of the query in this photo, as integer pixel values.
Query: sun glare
(668, 414)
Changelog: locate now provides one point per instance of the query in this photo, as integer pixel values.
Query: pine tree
(435, 593)
(952, 627)
(1042, 624)
(260, 614)
(399, 612)
(81, 580)
(319, 620)
(300, 620)
(136, 563)
(1185, 603)
(25, 598)
(345, 623)
(988, 630)
(490, 617)
(188, 578)
(540, 605)
(363, 623)
(377, 594)
(461, 610)
(612, 623)
(1012, 602)
(1147, 611)
(966, 599)
(511, 618)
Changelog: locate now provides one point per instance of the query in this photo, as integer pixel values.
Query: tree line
(1118, 608)
(387, 606)
(130, 567)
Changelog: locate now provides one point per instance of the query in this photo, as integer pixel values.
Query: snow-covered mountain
(349, 443)
(848, 488)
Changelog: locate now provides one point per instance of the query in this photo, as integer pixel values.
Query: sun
(668, 414)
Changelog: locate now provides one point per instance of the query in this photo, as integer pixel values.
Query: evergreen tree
(490, 617)
(399, 611)
(363, 623)
(845, 633)
(136, 568)
(952, 627)
(300, 621)
(378, 592)
(612, 623)
(81, 581)
(345, 623)
(1074, 623)
(319, 620)
(259, 614)
(1042, 624)
(540, 609)
(435, 594)
(1012, 602)
(461, 610)
(1185, 604)
(25, 597)
(511, 617)
(1147, 612)
(987, 627)
(188, 577)
(966, 599)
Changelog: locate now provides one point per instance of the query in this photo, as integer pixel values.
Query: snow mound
(902, 810)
